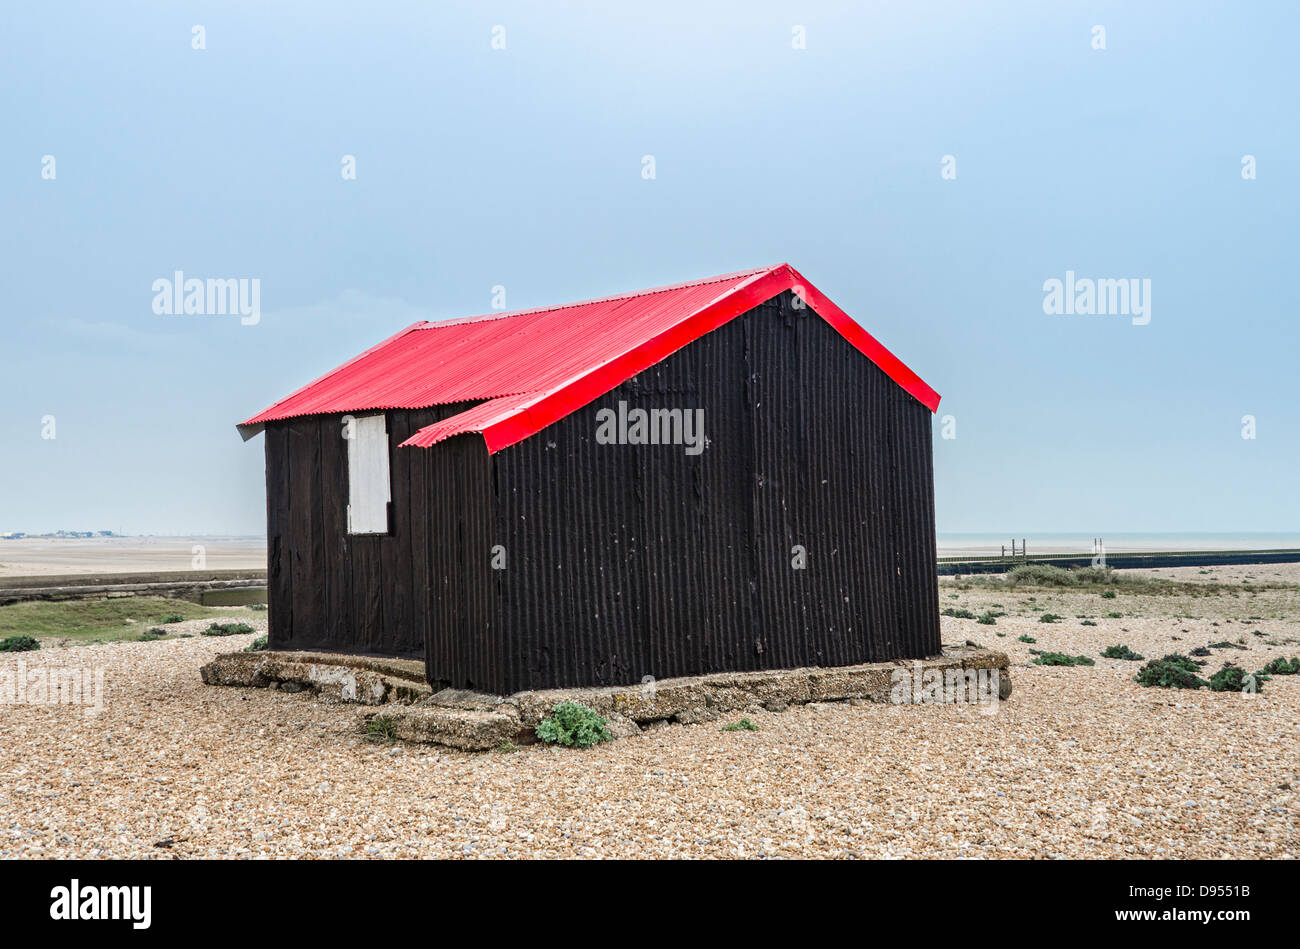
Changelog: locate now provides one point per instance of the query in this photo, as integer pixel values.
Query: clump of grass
(1108, 594)
(153, 635)
(744, 725)
(172, 618)
(259, 644)
(1225, 645)
(1174, 671)
(1045, 575)
(573, 725)
(506, 748)
(1026, 638)
(1121, 652)
(19, 644)
(1087, 622)
(257, 607)
(959, 613)
(381, 729)
(1114, 616)
(1233, 678)
(227, 629)
(989, 618)
(1061, 659)
(1200, 651)
(1050, 618)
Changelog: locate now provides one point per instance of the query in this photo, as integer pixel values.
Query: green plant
(257, 645)
(987, 619)
(1061, 659)
(960, 614)
(172, 618)
(1233, 678)
(1108, 594)
(573, 725)
(744, 725)
(152, 635)
(381, 728)
(1114, 615)
(1026, 638)
(19, 644)
(1282, 667)
(1087, 622)
(1121, 652)
(506, 748)
(257, 607)
(1200, 651)
(1049, 618)
(1173, 671)
(227, 629)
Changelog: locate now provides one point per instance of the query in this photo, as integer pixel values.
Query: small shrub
(744, 725)
(1108, 595)
(1174, 671)
(153, 634)
(1114, 616)
(987, 619)
(1282, 667)
(960, 614)
(19, 644)
(381, 728)
(258, 645)
(573, 726)
(1025, 638)
(1225, 645)
(1200, 651)
(1087, 622)
(257, 607)
(1121, 652)
(506, 748)
(1050, 618)
(1233, 678)
(174, 618)
(227, 629)
(1061, 659)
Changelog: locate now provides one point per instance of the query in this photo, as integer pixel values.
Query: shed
(722, 475)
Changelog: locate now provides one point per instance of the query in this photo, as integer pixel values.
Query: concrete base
(475, 721)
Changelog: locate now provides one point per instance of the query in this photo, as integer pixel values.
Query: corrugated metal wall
(630, 561)
(626, 561)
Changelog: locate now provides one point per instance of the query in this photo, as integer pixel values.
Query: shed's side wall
(627, 561)
(335, 592)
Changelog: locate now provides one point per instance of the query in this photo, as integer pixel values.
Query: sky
(930, 166)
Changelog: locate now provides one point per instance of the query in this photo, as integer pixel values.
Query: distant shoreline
(53, 556)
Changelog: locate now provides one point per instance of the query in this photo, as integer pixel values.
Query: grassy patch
(1026, 638)
(18, 644)
(1282, 667)
(381, 729)
(227, 629)
(1108, 582)
(258, 645)
(959, 613)
(98, 619)
(1061, 659)
(744, 725)
(1050, 618)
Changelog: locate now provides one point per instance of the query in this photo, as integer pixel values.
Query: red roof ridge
(649, 291)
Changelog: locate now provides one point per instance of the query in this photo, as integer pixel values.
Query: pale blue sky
(522, 167)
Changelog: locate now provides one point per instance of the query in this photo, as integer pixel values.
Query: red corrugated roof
(536, 366)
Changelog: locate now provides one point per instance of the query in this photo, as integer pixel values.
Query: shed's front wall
(619, 562)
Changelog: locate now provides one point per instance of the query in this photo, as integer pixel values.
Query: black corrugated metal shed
(801, 532)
